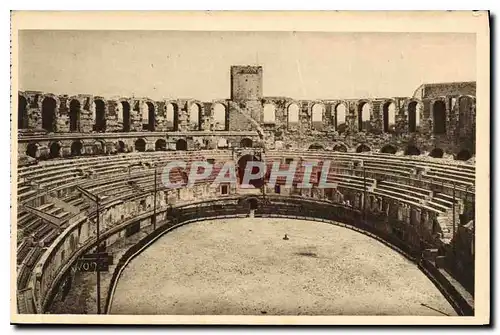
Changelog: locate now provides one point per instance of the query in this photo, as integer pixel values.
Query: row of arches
(410, 150)
(148, 115)
(364, 108)
(140, 145)
(147, 111)
(339, 116)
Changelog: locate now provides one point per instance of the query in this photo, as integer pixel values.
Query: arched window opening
(318, 111)
(148, 116)
(172, 117)
(340, 115)
(220, 117)
(22, 112)
(151, 116)
(269, 113)
(465, 115)
(74, 115)
(413, 117)
(389, 117)
(125, 114)
(364, 110)
(194, 117)
(439, 117)
(100, 116)
(293, 115)
(49, 114)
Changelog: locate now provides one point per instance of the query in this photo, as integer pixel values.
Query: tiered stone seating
(412, 193)
(109, 176)
(396, 174)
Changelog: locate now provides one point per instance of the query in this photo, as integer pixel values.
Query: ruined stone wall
(375, 123)
(442, 89)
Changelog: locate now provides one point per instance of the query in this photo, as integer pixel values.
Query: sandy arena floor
(243, 266)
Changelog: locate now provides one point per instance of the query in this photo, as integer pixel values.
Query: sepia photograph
(316, 168)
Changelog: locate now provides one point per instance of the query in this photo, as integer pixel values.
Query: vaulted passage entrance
(74, 115)
(439, 117)
(22, 113)
(49, 114)
(244, 166)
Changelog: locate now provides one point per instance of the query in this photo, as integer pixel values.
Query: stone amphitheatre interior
(393, 234)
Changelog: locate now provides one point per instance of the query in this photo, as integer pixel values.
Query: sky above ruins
(175, 64)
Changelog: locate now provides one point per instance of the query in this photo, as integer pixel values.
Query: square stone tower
(246, 82)
(246, 97)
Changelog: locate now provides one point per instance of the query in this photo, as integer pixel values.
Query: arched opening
(121, 147)
(222, 143)
(76, 148)
(140, 145)
(364, 116)
(148, 116)
(151, 116)
(269, 113)
(243, 168)
(388, 149)
(125, 107)
(220, 117)
(389, 117)
(463, 155)
(55, 150)
(74, 115)
(436, 153)
(49, 114)
(318, 111)
(363, 148)
(195, 117)
(413, 117)
(412, 150)
(293, 115)
(340, 116)
(172, 117)
(339, 148)
(181, 145)
(439, 117)
(161, 145)
(99, 147)
(465, 115)
(22, 112)
(315, 146)
(246, 143)
(32, 149)
(100, 115)
(253, 203)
